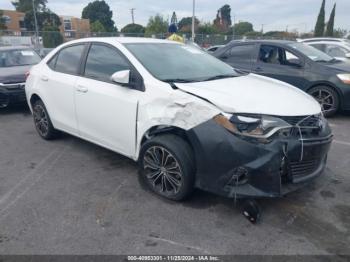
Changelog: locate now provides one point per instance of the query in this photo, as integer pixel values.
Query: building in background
(71, 27)
(14, 21)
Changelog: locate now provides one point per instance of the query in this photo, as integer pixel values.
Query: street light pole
(193, 19)
(36, 26)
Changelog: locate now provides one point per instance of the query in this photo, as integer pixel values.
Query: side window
(102, 62)
(320, 47)
(52, 62)
(335, 51)
(68, 60)
(241, 52)
(270, 54)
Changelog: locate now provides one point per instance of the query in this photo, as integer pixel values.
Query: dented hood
(254, 94)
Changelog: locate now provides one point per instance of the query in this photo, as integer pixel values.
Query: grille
(304, 168)
(18, 86)
(312, 121)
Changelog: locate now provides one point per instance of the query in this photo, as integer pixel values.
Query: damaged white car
(189, 119)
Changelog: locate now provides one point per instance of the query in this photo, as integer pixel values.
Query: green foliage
(319, 28)
(2, 21)
(27, 5)
(330, 24)
(340, 33)
(280, 35)
(100, 11)
(46, 18)
(97, 27)
(52, 36)
(241, 28)
(185, 24)
(253, 34)
(133, 29)
(207, 29)
(156, 25)
(223, 19)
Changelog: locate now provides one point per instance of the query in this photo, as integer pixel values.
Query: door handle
(82, 89)
(44, 78)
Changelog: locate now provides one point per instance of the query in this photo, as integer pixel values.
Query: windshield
(311, 52)
(179, 63)
(18, 57)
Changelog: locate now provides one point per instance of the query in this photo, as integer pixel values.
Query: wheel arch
(161, 130)
(328, 84)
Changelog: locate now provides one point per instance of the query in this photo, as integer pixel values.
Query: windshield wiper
(219, 77)
(178, 80)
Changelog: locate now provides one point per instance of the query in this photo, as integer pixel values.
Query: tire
(167, 166)
(43, 122)
(328, 99)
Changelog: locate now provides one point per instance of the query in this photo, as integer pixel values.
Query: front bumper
(234, 167)
(12, 94)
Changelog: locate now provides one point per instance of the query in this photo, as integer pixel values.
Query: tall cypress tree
(330, 24)
(319, 28)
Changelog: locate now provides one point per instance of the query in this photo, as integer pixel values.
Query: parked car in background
(336, 47)
(15, 62)
(213, 48)
(44, 51)
(322, 76)
(189, 119)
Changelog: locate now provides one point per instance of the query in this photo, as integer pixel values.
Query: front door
(106, 111)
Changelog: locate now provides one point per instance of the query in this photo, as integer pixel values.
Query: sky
(272, 14)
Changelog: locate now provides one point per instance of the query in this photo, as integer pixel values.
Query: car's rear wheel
(167, 166)
(328, 99)
(43, 122)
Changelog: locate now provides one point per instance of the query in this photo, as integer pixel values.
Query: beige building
(71, 27)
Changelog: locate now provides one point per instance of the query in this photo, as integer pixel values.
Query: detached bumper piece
(233, 166)
(12, 93)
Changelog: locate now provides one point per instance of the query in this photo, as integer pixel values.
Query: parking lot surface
(69, 196)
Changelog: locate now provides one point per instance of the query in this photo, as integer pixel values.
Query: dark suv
(15, 61)
(323, 77)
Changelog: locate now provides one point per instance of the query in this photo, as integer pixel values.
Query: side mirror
(347, 55)
(121, 77)
(295, 62)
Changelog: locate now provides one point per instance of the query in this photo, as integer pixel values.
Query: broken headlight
(257, 126)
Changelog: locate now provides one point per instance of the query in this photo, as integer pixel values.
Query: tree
(223, 18)
(253, 34)
(100, 11)
(207, 29)
(319, 28)
(27, 5)
(133, 29)
(330, 24)
(185, 24)
(340, 33)
(52, 36)
(2, 21)
(97, 27)
(241, 28)
(46, 18)
(156, 25)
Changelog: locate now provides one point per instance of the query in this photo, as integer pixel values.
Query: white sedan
(189, 119)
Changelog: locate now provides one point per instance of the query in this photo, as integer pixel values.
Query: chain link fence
(51, 39)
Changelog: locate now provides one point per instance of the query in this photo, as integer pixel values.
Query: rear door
(106, 111)
(240, 56)
(282, 64)
(59, 86)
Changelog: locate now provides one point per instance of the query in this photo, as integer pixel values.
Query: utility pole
(132, 15)
(233, 27)
(36, 26)
(193, 19)
(262, 28)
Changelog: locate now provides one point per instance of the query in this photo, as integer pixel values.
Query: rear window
(18, 57)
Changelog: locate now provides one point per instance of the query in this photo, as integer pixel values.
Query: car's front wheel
(328, 99)
(167, 166)
(43, 122)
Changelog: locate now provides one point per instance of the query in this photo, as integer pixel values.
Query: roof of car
(263, 41)
(13, 47)
(318, 39)
(123, 40)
